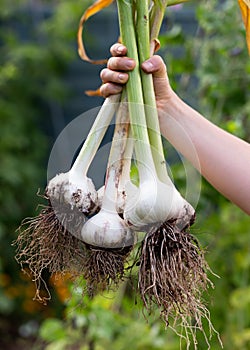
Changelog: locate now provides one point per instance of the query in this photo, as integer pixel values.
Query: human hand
(115, 76)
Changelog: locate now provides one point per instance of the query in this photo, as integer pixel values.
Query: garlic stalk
(74, 189)
(107, 229)
(139, 202)
(128, 145)
(147, 205)
(50, 240)
(176, 2)
(125, 185)
(107, 236)
(181, 210)
(172, 268)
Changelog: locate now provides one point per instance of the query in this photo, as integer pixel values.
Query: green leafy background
(209, 67)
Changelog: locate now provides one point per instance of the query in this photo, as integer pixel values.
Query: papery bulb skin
(107, 230)
(121, 196)
(186, 216)
(153, 202)
(77, 191)
(100, 195)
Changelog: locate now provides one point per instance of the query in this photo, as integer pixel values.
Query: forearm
(223, 159)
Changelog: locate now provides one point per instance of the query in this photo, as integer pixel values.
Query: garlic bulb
(107, 230)
(154, 202)
(74, 190)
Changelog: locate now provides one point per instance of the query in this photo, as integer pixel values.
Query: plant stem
(127, 161)
(156, 18)
(116, 158)
(176, 2)
(129, 142)
(134, 91)
(96, 135)
(147, 80)
(157, 15)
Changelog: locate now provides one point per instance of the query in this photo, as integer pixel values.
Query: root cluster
(172, 276)
(45, 243)
(104, 268)
(172, 268)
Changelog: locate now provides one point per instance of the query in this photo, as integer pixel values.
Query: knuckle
(112, 63)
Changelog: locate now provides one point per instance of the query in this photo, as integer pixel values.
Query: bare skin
(222, 158)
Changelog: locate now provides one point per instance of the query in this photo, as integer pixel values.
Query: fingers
(154, 65)
(115, 76)
(112, 82)
(119, 61)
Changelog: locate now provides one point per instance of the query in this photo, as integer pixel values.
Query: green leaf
(240, 298)
(52, 330)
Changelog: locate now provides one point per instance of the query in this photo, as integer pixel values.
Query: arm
(223, 159)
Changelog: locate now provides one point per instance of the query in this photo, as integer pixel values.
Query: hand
(116, 74)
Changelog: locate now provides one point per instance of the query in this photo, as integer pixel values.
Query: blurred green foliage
(211, 71)
(33, 60)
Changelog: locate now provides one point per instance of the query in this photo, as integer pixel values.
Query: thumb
(156, 66)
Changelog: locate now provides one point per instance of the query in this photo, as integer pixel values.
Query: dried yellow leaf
(93, 92)
(91, 10)
(245, 11)
(247, 2)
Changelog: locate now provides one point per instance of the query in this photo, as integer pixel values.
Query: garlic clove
(107, 230)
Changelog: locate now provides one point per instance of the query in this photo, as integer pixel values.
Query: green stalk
(95, 135)
(156, 18)
(176, 2)
(134, 91)
(143, 42)
(157, 15)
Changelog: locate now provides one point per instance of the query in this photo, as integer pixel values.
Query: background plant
(210, 69)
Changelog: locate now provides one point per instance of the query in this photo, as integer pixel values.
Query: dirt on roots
(46, 243)
(173, 277)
